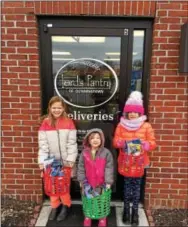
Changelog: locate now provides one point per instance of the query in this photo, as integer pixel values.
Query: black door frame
(88, 25)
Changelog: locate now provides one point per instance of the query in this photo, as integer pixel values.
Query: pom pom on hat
(134, 103)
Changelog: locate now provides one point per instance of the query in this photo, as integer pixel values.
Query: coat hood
(97, 130)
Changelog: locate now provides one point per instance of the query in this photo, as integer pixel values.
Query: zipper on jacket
(58, 137)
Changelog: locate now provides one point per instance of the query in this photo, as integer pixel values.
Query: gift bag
(131, 159)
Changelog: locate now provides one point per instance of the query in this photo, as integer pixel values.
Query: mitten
(145, 146)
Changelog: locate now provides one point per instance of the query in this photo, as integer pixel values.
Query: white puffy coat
(53, 140)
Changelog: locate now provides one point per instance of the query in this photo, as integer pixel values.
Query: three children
(57, 137)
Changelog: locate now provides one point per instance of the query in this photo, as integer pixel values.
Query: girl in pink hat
(134, 137)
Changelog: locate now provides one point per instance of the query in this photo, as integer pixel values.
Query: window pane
(86, 73)
(137, 60)
(105, 49)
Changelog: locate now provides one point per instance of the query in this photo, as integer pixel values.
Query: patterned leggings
(132, 190)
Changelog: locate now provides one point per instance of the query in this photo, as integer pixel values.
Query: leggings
(132, 190)
(55, 201)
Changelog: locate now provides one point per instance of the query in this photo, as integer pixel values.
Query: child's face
(95, 140)
(56, 109)
(133, 115)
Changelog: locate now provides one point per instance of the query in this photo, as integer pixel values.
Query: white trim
(43, 216)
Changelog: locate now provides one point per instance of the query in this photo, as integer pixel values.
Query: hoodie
(99, 170)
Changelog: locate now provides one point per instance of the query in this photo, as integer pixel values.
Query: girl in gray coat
(95, 165)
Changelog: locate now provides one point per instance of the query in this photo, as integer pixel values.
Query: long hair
(53, 100)
(90, 137)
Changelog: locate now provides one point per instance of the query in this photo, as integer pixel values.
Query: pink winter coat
(97, 171)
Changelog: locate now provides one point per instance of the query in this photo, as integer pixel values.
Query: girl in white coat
(57, 137)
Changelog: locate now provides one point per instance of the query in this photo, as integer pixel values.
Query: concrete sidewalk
(46, 209)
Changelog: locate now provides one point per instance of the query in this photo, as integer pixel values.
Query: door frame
(106, 26)
(69, 23)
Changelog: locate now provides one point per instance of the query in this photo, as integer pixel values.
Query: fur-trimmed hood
(94, 130)
(98, 170)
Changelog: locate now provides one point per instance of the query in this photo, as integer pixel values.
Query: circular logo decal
(86, 83)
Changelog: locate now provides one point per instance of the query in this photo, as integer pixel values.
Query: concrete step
(115, 217)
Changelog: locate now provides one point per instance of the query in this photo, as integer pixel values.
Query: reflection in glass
(76, 75)
(68, 48)
(137, 60)
(78, 39)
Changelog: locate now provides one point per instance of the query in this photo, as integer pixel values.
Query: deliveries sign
(89, 77)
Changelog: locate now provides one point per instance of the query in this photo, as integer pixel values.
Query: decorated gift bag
(131, 159)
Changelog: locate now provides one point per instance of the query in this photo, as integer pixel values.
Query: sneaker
(87, 222)
(102, 222)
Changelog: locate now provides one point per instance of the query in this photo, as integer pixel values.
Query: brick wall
(166, 182)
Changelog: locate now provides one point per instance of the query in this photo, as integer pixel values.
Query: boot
(135, 217)
(102, 222)
(53, 214)
(126, 216)
(63, 214)
(87, 222)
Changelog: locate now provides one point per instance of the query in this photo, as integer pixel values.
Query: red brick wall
(166, 183)
(167, 180)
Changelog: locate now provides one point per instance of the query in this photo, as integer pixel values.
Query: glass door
(86, 74)
(93, 65)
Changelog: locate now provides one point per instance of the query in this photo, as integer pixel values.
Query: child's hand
(145, 146)
(68, 164)
(108, 186)
(121, 143)
(41, 166)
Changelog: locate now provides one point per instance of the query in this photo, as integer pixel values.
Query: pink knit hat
(134, 103)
